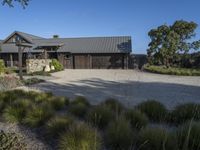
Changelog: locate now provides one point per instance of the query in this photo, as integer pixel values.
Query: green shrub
(156, 139)
(189, 136)
(137, 119)
(154, 110)
(11, 141)
(78, 110)
(40, 73)
(38, 115)
(32, 81)
(80, 99)
(2, 66)
(80, 137)
(172, 70)
(113, 105)
(58, 66)
(119, 135)
(58, 124)
(100, 116)
(185, 112)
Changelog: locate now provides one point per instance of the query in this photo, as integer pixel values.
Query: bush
(119, 135)
(78, 110)
(173, 71)
(189, 136)
(154, 110)
(137, 119)
(100, 116)
(80, 137)
(185, 112)
(156, 139)
(38, 115)
(11, 141)
(32, 81)
(58, 66)
(2, 66)
(40, 73)
(80, 99)
(113, 105)
(58, 124)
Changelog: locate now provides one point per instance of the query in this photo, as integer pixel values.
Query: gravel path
(129, 86)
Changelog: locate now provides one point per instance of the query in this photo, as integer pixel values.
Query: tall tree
(168, 41)
(24, 3)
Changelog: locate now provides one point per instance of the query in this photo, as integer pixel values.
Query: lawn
(76, 124)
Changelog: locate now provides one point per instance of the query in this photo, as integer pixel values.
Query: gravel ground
(33, 138)
(129, 86)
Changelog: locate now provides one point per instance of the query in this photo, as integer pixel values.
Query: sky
(94, 18)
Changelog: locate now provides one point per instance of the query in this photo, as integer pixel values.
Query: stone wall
(35, 65)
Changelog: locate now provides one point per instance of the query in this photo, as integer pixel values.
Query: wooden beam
(20, 62)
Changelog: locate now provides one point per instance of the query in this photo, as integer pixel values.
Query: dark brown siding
(82, 61)
(66, 59)
(7, 59)
(108, 61)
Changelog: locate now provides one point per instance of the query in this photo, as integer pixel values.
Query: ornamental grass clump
(58, 124)
(57, 102)
(113, 105)
(119, 135)
(78, 110)
(100, 116)
(185, 112)
(80, 137)
(37, 115)
(80, 100)
(154, 110)
(188, 136)
(137, 119)
(152, 138)
(16, 111)
(79, 106)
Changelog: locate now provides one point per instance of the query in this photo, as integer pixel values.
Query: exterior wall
(94, 61)
(11, 59)
(76, 61)
(35, 65)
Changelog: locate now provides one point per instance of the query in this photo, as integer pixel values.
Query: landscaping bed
(172, 70)
(61, 123)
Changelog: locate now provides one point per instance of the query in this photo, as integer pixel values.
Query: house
(73, 53)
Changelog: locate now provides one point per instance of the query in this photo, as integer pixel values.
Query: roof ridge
(28, 34)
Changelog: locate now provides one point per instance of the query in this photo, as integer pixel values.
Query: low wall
(35, 65)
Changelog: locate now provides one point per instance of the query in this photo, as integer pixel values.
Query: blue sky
(79, 18)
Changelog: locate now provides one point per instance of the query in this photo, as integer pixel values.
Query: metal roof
(116, 44)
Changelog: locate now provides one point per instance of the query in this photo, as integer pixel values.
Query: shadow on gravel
(130, 93)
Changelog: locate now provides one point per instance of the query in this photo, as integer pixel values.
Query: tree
(24, 3)
(167, 42)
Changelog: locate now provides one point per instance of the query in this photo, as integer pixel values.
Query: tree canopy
(168, 41)
(10, 3)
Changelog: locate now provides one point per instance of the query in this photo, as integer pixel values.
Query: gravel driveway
(128, 86)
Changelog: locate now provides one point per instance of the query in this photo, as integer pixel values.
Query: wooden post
(11, 60)
(20, 62)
